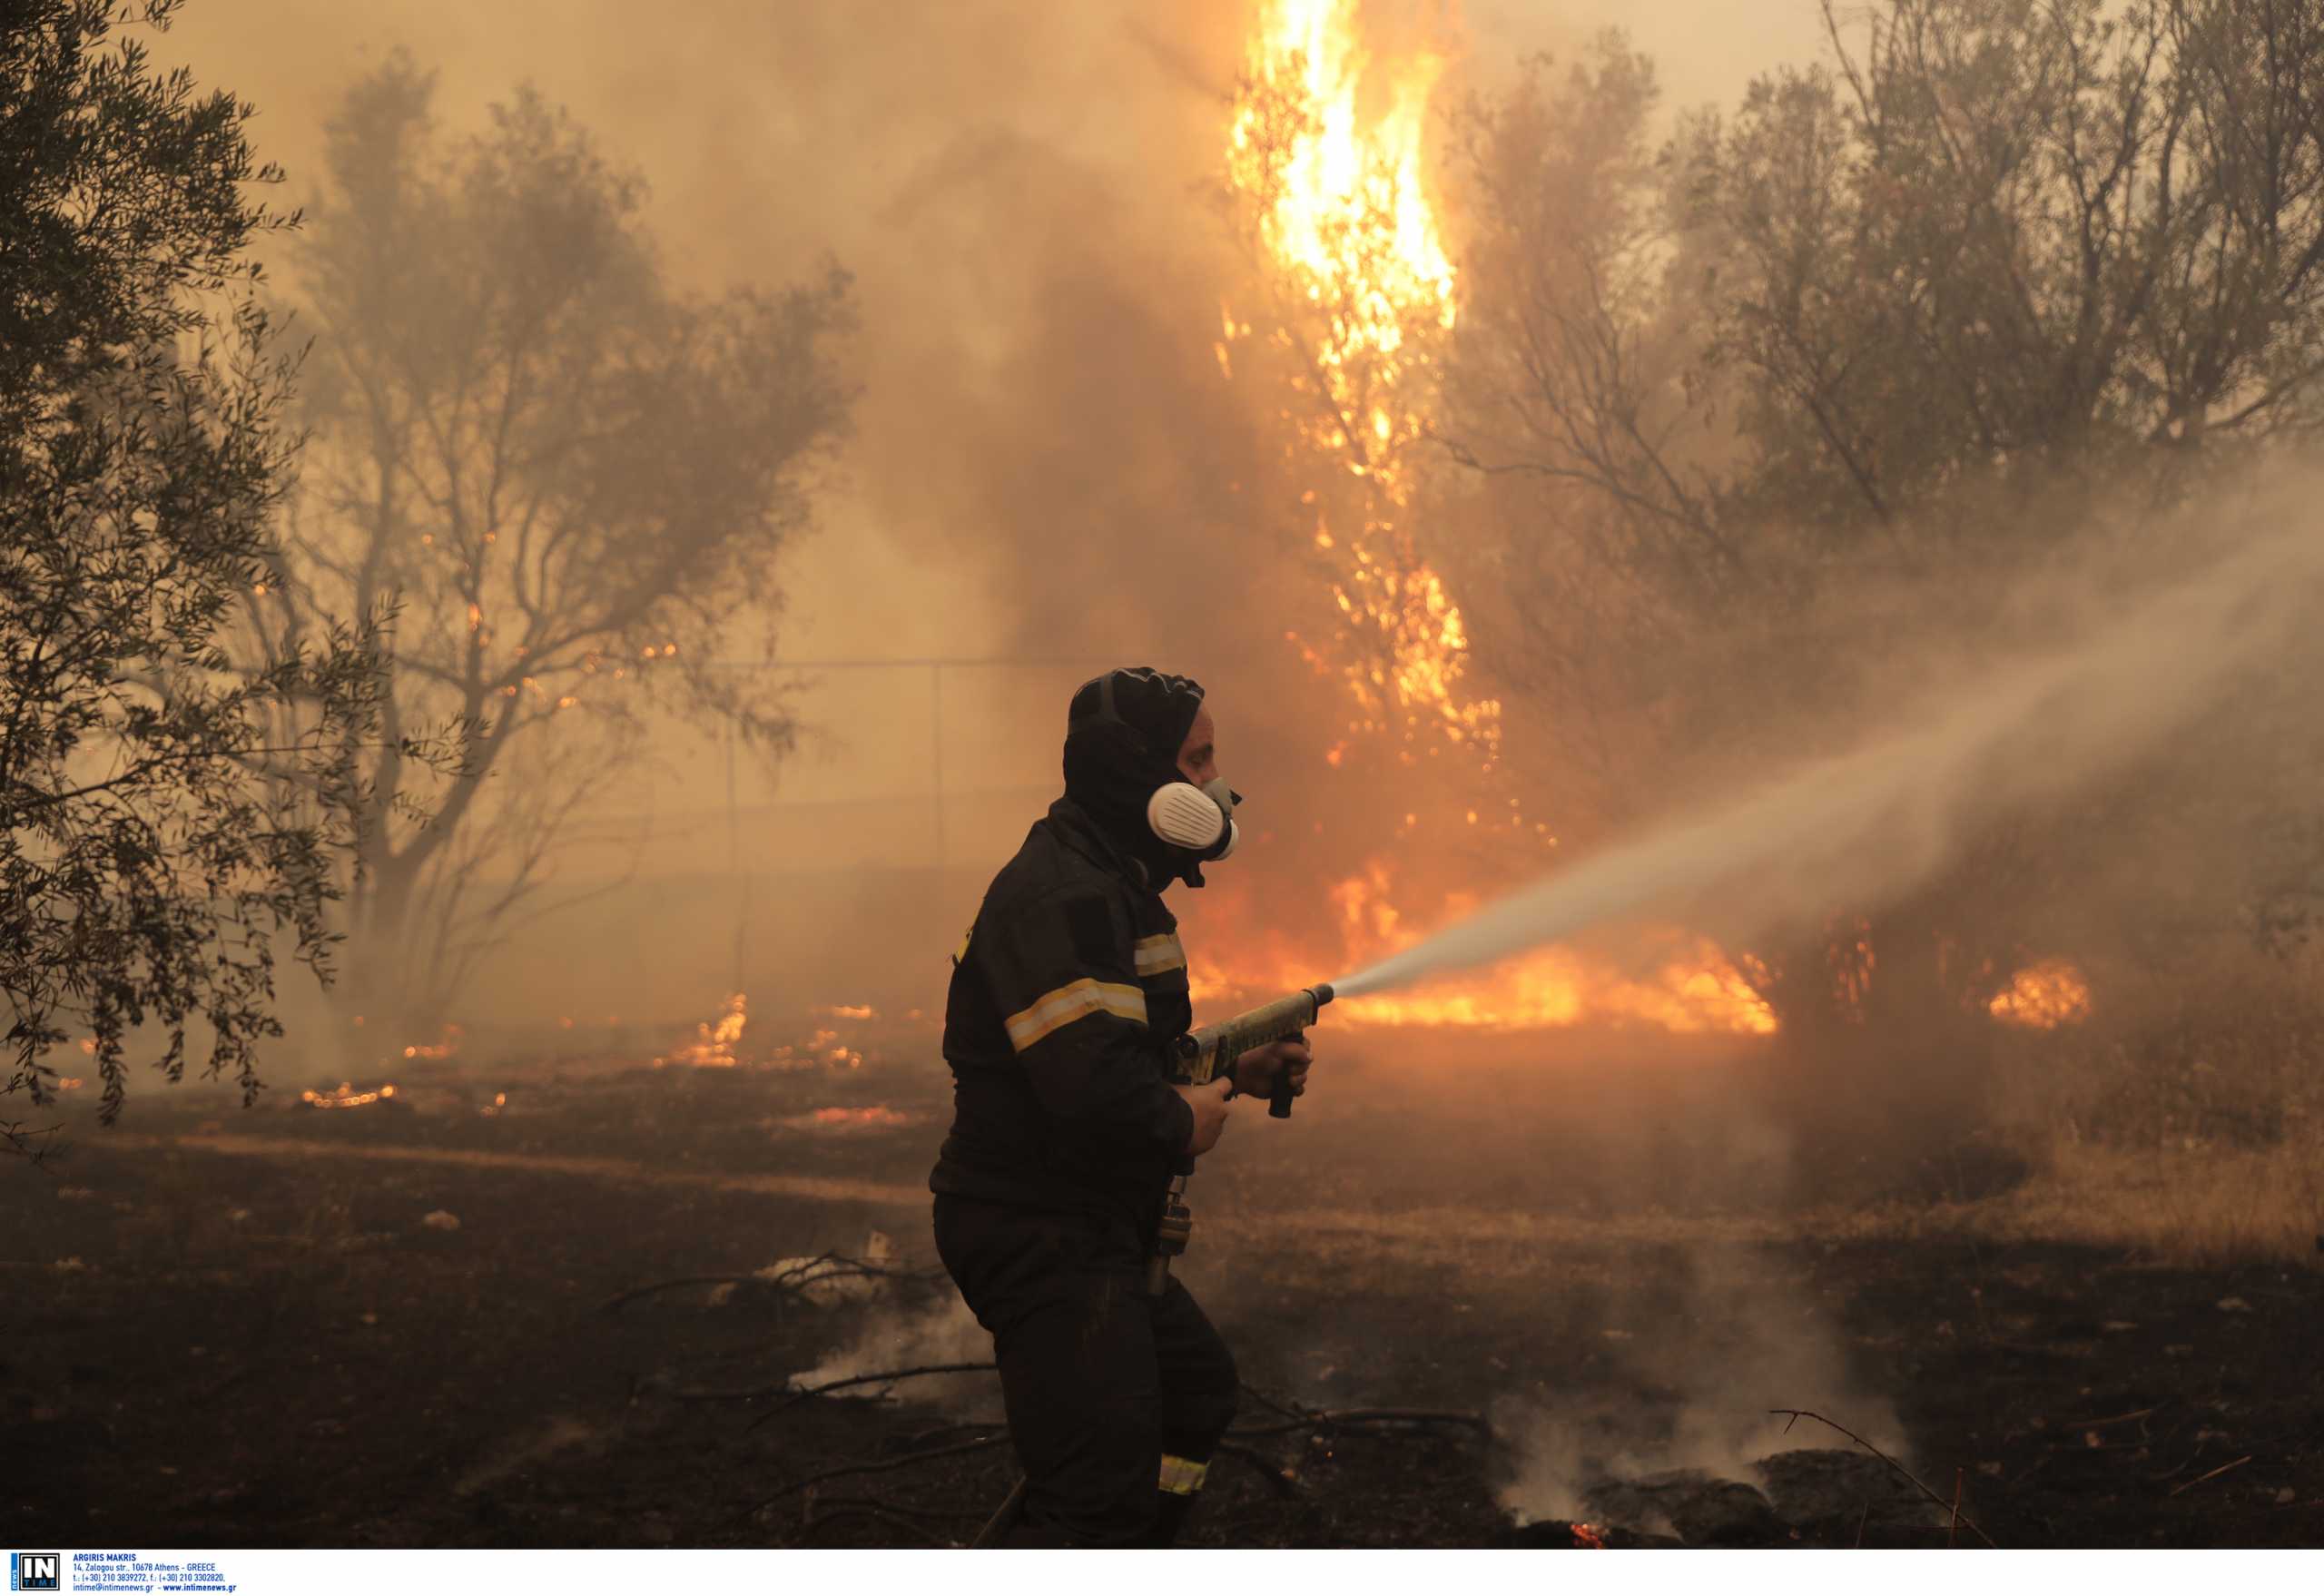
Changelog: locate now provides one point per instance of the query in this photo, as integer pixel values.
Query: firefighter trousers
(1116, 1398)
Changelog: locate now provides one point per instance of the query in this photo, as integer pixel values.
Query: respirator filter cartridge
(1183, 815)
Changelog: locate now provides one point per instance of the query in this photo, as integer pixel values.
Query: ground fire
(713, 1045)
(347, 1096)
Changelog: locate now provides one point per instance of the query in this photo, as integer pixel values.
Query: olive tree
(576, 479)
(1752, 402)
(158, 834)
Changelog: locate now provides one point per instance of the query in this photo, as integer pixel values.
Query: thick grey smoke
(1868, 826)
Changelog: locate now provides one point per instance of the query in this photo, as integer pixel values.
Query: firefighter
(1065, 997)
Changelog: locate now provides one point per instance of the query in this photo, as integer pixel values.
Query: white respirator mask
(1201, 819)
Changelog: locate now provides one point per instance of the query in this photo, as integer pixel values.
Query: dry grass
(2187, 1125)
(2208, 1205)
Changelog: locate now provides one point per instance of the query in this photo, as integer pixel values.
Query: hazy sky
(1707, 50)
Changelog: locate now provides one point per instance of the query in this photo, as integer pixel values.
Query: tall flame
(1326, 162)
(1343, 208)
(1345, 221)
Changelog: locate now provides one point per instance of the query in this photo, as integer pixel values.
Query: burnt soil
(224, 1328)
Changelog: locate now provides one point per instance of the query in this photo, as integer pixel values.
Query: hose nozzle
(1205, 1051)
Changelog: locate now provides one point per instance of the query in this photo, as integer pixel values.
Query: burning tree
(160, 832)
(1359, 304)
(577, 481)
(1912, 313)
(1328, 187)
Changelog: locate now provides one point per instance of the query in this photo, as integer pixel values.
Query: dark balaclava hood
(1114, 763)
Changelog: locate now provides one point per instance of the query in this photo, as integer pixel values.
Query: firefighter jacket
(1067, 998)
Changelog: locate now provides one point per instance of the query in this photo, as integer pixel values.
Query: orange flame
(1690, 987)
(2044, 996)
(1343, 208)
(876, 1117)
(1325, 159)
(714, 1047)
(822, 1050)
(1700, 993)
(717, 1046)
(1333, 180)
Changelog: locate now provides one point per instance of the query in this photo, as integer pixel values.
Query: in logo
(34, 1571)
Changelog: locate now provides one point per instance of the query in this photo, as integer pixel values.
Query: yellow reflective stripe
(1069, 1003)
(1156, 954)
(1182, 1476)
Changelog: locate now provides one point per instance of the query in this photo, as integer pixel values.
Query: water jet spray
(1867, 827)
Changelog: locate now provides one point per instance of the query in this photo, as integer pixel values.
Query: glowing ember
(347, 1096)
(877, 1116)
(1593, 1536)
(717, 1046)
(444, 1047)
(714, 1047)
(2045, 996)
(821, 1051)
